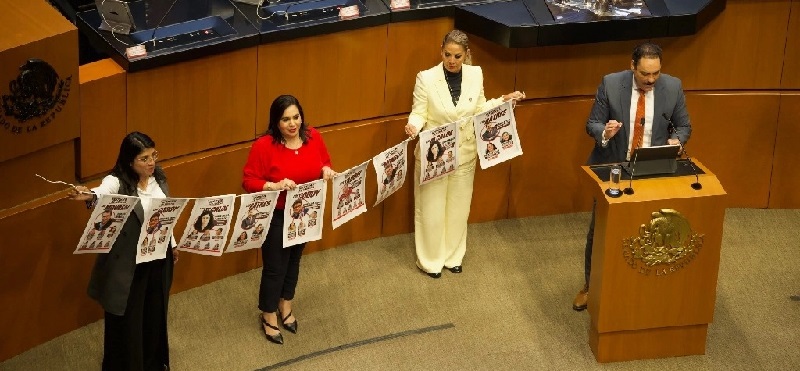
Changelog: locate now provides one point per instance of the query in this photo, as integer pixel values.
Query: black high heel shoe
(292, 327)
(278, 338)
(456, 269)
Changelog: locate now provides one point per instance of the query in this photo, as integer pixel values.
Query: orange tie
(638, 127)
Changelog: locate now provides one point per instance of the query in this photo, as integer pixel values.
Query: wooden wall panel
(490, 192)
(44, 290)
(569, 70)
(741, 49)
(337, 77)
(499, 66)
(791, 61)
(54, 163)
(211, 173)
(398, 209)
(192, 106)
(58, 124)
(785, 175)
(413, 47)
(546, 180)
(34, 263)
(103, 117)
(350, 145)
(736, 144)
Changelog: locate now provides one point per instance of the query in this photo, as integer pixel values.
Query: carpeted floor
(365, 306)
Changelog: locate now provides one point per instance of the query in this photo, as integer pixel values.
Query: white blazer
(433, 105)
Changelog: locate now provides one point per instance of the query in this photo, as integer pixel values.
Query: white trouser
(441, 210)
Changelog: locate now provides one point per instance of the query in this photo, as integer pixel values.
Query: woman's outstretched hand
(80, 193)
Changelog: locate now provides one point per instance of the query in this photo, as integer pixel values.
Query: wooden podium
(654, 267)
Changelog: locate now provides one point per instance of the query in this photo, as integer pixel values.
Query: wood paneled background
(739, 72)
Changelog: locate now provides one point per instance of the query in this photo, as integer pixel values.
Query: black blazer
(112, 275)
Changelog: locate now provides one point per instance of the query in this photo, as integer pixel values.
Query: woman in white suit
(448, 92)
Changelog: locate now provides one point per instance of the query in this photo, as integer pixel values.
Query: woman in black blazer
(134, 296)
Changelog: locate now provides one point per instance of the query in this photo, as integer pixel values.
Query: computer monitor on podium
(653, 160)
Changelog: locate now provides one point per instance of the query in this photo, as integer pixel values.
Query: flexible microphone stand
(629, 190)
(632, 166)
(696, 185)
(153, 36)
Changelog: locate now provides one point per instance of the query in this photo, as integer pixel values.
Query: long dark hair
(198, 224)
(430, 156)
(132, 145)
(279, 105)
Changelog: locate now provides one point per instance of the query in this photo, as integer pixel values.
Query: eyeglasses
(147, 159)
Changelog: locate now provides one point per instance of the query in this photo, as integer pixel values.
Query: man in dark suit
(105, 220)
(640, 107)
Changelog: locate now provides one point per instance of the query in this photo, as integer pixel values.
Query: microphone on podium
(696, 185)
(632, 166)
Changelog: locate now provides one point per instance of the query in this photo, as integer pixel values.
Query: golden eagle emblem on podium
(667, 239)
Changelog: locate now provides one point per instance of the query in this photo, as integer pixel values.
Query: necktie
(638, 125)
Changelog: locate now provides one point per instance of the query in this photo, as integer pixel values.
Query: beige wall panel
(191, 106)
(44, 290)
(413, 46)
(791, 72)
(785, 175)
(736, 144)
(54, 163)
(337, 77)
(103, 119)
(546, 180)
(350, 145)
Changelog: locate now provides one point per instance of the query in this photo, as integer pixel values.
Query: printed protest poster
(104, 225)
(391, 167)
(438, 152)
(348, 195)
(302, 217)
(157, 229)
(252, 222)
(207, 229)
(496, 135)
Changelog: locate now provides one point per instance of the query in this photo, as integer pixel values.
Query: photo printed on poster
(302, 217)
(252, 222)
(496, 135)
(391, 167)
(206, 232)
(105, 224)
(348, 195)
(438, 152)
(156, 233)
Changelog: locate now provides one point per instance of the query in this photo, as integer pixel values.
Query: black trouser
(281, 267)
(137, 340)
(587, 260)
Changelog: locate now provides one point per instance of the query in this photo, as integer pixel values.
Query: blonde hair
(459, 38)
